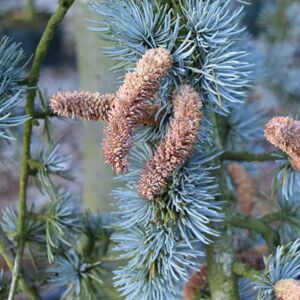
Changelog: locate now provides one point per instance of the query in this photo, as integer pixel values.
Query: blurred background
(75, 62)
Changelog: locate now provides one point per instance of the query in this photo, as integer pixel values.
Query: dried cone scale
(139, 87)
(177, 145)
(284, 133)
(287, 289)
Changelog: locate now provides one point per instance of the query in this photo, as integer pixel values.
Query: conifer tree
(180, 133)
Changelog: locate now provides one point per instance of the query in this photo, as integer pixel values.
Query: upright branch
(33, 78)
(220, 254)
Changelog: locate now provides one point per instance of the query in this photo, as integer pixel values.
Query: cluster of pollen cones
(129, 107)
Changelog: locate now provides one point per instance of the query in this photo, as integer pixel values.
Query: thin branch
(6, 250)
(44, 114)
(35, 165)
(33, 79)
(37, 216)
(273, 217)
(256, 225)
(248, 156)
(241, 269)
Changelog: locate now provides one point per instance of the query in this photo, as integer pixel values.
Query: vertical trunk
(30, 10)
(220, 255)
(220, 259)
(93, 76)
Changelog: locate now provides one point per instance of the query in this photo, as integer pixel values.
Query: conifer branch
(248, 156)
(256, 225)
(35, 165)
(273, 217)
(43, 114)
(241, 269)
(33, 79)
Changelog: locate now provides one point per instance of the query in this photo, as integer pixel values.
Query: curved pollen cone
(177, 145)
(284, 133)
(196, 282)
(138, 87)
(83, 105)
(287, 289)
(245, 186)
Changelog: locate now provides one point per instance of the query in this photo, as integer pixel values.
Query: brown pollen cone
(93, 107)
(196, 282)
(287, 289)
(83, 105)
(177, 145)
(284, 133)
(139, 87)
(245, 186)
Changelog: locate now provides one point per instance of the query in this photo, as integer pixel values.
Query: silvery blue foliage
(212, 33)
(162, 240)
(247, 289)
(83, 279)
(55, 162)
(213, 24)
(183, 219)
(11, 68)
(192, 196)
(82, 268)
(61, 222)
(289, 228)
(286, 179)
(158, 262)
(135, 27)
(54, 230)
(246, 123)
(52, 162)
(34, 230)
(152, 231)
(223, 70)
(285, 264)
